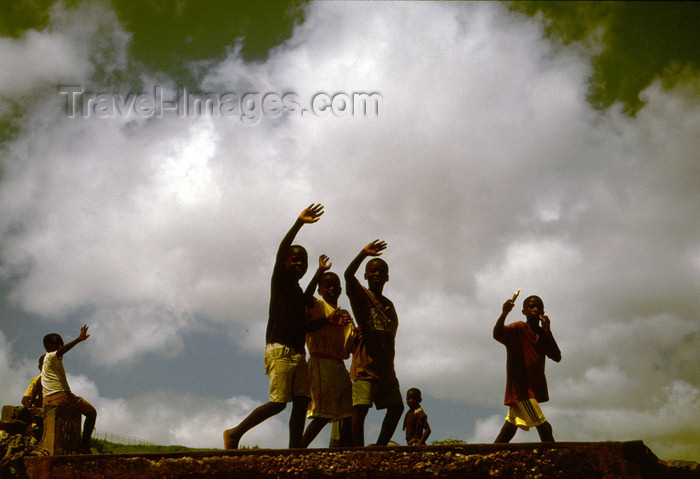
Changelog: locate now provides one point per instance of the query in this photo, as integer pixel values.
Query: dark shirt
(377, 319)
(414, 423)
(287, 317)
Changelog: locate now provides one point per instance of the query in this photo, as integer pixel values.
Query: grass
(105, 447)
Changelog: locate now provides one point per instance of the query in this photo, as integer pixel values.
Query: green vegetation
(105, 447)
(448, 442)
(641, 42)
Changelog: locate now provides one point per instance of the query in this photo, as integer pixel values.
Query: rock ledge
(527, 460)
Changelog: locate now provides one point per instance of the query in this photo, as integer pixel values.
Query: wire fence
(117, 439)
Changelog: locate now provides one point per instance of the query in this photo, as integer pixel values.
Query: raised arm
(323, 266)
(499, 328)
(375, 248)
(310, 215)
(67, 347)
(551, 347)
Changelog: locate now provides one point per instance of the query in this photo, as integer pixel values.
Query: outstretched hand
(340, 317)
(375, 248)
(323, 263)
(311, 214)
(83, 333)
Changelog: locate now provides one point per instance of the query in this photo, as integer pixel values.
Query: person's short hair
(532, 298)
(377, 261)
(415, 391)
(51, 340)
(300, 249)
(328, 275)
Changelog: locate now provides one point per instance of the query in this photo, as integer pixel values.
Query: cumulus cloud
(486, 172)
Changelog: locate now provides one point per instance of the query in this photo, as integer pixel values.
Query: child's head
(297, 261)
(533, 307)
(52, 342)
(376, 272)
(329, 287)
(413, 398)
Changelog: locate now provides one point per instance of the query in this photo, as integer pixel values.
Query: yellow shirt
(330, 341)
(31, 386)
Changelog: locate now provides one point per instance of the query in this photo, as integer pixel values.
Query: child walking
(329, 346)
(285, 356)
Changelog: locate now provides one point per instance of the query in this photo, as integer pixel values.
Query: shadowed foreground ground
(532, 460)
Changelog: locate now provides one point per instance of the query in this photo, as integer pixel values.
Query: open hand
(83, 333)
(323, 263)
(340, 317)
(375, 248)
(312, 214)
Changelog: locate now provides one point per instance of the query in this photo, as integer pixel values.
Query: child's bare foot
(231, 438)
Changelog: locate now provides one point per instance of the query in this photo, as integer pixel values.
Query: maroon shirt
(526, 350)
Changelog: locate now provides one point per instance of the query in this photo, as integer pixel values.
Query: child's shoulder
(516, 325)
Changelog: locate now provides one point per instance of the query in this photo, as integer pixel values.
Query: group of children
(322, 389)
(325, 391)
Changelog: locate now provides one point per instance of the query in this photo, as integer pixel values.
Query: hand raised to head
(311, 214)
(323, 263)
(375, 248)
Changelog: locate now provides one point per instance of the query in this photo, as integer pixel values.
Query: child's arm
(426, 433)
(551, 346)
(323, 266)
(27, 400)
(499, 328)
(375, 248)
(35, 397)
(310, 215)
(67, 347)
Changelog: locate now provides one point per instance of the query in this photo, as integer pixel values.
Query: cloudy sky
(554, 151)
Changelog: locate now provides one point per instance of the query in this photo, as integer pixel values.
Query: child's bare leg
(346, 432)
(90, 413)
(296, 421)
(88, 427)
(391, 420)
(359, 413)
(312, 430)
(545, 432)
(267, 410)
(507, 432)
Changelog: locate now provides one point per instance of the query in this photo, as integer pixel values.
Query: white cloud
(487, 172)
(66, 52)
